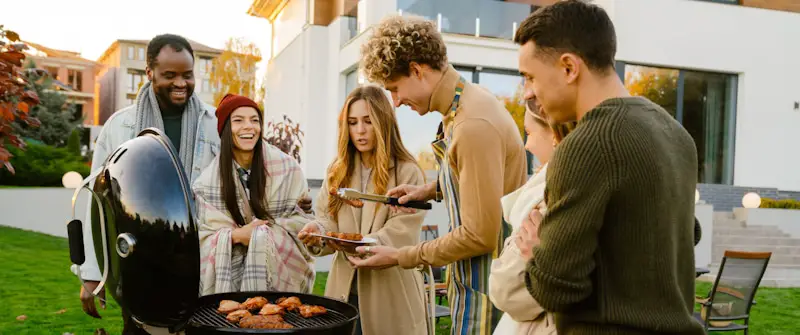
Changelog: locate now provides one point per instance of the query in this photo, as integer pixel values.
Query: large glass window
(704, 103)
(418, 132)
(350, 82)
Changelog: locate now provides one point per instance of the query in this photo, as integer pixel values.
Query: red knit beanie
(230, 103)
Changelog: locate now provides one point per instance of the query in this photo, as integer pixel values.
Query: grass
(35, 281)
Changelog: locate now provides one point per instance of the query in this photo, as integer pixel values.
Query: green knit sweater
(616, 253)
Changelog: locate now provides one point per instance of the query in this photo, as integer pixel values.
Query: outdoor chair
(733, 292)
(431, 232)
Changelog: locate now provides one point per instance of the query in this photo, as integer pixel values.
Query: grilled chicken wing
(308, 311)
(254, 303)
(237, 315)
(227, 306)
(264, 322)
(290, 303)
(270, 309)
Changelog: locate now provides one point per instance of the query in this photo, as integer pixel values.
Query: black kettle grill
(146, 243)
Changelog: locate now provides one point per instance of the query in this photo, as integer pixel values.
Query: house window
(350, 82)
(53, 71)
(417, 131)
(206, 65)
(135, 80)
(206, 86)
(703, 102)
(141, 54)
(75, 78)
(131, 53)
(130, 101)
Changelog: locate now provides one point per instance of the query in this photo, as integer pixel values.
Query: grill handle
(75, 234)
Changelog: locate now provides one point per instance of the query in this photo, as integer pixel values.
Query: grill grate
(208, 316)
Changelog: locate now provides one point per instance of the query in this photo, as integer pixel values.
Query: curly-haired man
(481, 157)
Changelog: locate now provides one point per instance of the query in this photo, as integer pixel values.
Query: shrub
(42, 165)
(74, 142)
(286, 136)
(783, 203)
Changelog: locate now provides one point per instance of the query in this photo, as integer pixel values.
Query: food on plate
(228, 306)
(290, 303)
(264, 322)
(308, 311)
(254, 303)
(271, 309)
(237, 315)
(346, 236)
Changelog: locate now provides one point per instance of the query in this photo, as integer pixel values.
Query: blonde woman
(371, 158)
(507, 290)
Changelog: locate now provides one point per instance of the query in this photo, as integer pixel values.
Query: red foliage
(16, 99)
(286, 136)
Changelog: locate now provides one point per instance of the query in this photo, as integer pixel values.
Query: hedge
(42, 165)
(783, 203)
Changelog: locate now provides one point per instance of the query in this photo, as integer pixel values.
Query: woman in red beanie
(247, 210)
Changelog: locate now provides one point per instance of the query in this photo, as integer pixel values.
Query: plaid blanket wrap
(275, 259)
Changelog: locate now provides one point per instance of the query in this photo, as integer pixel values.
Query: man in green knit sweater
(614, 252)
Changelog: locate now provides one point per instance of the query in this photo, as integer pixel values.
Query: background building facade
(724, 69)
(125, 64)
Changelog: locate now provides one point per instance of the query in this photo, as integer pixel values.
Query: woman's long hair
(388, 144)
(257, 182)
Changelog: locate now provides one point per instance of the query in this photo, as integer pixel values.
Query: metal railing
(479, 18)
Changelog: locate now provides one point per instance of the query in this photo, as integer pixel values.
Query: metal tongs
(351, 194)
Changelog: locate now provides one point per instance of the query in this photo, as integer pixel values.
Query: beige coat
(391, 301)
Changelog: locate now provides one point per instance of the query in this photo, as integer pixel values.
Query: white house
(723, 67)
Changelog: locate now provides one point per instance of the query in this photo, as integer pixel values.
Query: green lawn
(35, 281)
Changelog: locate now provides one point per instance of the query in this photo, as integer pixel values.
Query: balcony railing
(480, 18)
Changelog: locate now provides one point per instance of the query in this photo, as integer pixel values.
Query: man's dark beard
(162, 95)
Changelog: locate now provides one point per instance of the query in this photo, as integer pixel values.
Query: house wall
(758, 45)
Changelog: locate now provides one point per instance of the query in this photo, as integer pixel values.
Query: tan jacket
(391, 301)
(488, 155)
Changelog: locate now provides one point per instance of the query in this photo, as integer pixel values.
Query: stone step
(775, 259)
(723, 215)
(743, 240)
(729, 223)
(760, 231)
(719, 249)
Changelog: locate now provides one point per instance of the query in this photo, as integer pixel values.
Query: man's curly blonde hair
(396, 42)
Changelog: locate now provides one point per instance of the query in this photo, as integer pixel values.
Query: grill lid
(150, 231)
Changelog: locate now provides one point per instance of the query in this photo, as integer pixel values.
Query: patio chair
(437, 283)
(733, 292)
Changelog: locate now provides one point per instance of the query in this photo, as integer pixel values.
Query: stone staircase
(731, 233)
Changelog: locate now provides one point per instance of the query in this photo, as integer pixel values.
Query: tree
(426, 160)
(16, 99)
(53, 110)
(74, 142)
(234, 71)
(516, 106)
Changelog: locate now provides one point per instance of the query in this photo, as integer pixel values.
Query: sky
(91, 26)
